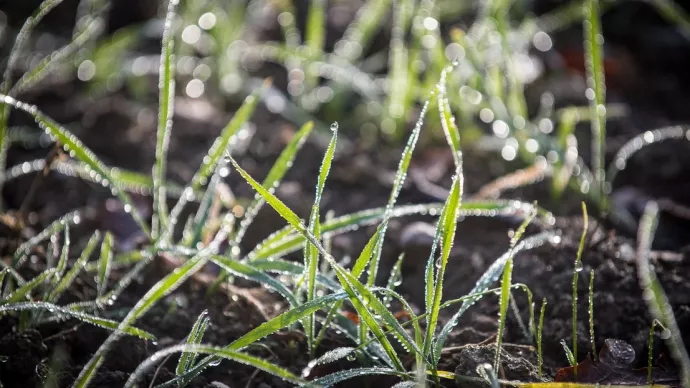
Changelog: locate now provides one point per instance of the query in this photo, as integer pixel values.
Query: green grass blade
(166, 104)
(654, 294)
(315, 37)
(67, 280)
(78, 150)
(540, 329)
(220, 353)
(591, 315)
(215, 153)
(104, 263)
(398, 90)
(447, 120)
(445, 233)
(362, 30)
(194, 338)
(311, 253)
(568, 354)
(577, 269)
(165, 286)
(62, 263)
(275, 175)
(94, 320)
(23, 293)
(489, 277)
(343, 375)
(596, 93)
(56, 227)
(251, 273)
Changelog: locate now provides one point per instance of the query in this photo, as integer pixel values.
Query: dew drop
(351, 357)
(578, 266)
(439, 262)
(665, 334)
(334, 126)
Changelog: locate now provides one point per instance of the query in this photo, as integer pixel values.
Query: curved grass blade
(221, 353)
(275, 175)
(489, 277)
(360, 296)
(215, 153)
(94, 320)
(654, 294)
(340, 376)
(448, 121)
(56, 227)
(67, 280)
(62, 263)
(286, 240)
(104, 263)
(285, 267)
(311, 253)
(445, 232)
(23, 293)
(166, 104)
(265, 329)
(596, 93)
(195, 336)
(78, 150)
(251, 273)
(165, 286)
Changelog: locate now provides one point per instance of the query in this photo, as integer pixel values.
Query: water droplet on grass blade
(578, 266)
(665, 334)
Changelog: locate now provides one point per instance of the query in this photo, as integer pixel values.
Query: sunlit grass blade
(219, 147)
(596, 94)
(340, 376)
(69, 277)
(577, 269)
(360, 32)
(275, 176)
(78, 150)
(311, 253)
(104, 263)
(62, 263)
(540, 330)
(445, 233)
(251, 273)
(221, 353)
(165, 286)
(315, 37)
(655, 296)
(195, 336)
(57, 226)
(506, 284)
(489, 277)
(285, 267)
(591, 315)
(395, 277)
(265, 329)
(394, 117)
(94, 320)
(448, 121)
(673, 12)
(166, 104)
(356, 290)
(568, 353)
(23, 292)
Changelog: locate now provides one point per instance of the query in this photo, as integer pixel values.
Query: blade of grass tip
(57, 226)
(6, 85)
(447, 120)
(77, 267)
(506, 284)
(219, 352)
(655, 296)
(219, 147)
(489, 277)
(311, 253)
(540, 330)
(569, 354)
(263, 330)
(166, 103)
(275, 175)
(194, 338)
(356, 290)
(596, 93)
(315, 37)
(164, 286)
(77, 149)
(577, 269)
(94, 320)
(104, 263)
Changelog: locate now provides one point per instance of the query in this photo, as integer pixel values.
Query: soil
(122, 133)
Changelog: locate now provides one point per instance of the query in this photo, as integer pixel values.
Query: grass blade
(194, 338)
(340, 376)
(57, 226)
(166, 104)
(540, 359)
(78, 150)
(24, 292)
(104, 263)
(221, 353)
(66, 281)
(577, 269)
(596, 94)
(315, 38)
(94, 320)
(655, 296)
